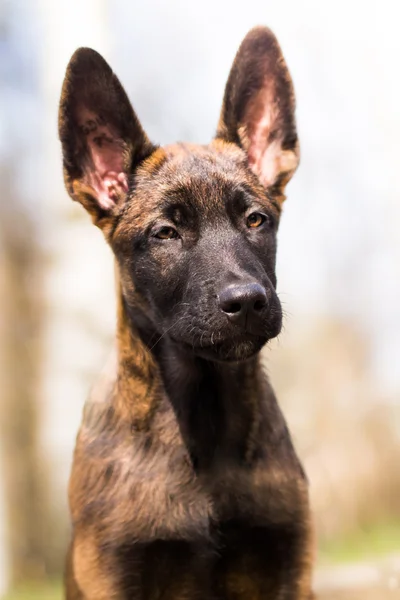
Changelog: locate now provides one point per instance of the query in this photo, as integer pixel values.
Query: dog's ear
(102, 139)
(258, 110)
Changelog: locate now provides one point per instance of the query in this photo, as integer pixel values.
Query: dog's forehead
(217, 159)
(201, 175)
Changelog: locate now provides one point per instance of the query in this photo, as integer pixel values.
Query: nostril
(231, 307)
(234, 308)
(259, 305)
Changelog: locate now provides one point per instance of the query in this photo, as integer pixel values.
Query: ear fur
(258, 111)
(102, 139)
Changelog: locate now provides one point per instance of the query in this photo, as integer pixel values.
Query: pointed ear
(102, 139)
(258, 110)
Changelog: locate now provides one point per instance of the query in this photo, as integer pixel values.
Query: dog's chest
(195, 530)
(167, 499)
(208, 534)
(171, 499)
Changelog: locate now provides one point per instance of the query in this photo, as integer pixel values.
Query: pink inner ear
(105, 171)
(266, 157)
(262, 115)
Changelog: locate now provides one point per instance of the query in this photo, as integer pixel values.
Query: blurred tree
(24, 480)
(24, 470)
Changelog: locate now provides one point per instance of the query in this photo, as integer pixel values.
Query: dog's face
(193, 228)
(196, 246)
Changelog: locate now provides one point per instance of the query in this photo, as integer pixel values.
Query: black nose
(243, 303)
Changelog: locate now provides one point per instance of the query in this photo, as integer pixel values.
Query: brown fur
(171, 498)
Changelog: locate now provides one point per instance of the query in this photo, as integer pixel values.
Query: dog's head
(193, 228)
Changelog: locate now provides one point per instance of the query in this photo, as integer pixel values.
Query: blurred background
(336, 367)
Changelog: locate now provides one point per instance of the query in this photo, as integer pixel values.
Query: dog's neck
(215, 403)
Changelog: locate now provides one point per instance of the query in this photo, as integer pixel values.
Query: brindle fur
(185, 484)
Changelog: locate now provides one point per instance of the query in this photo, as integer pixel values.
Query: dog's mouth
(229, 349)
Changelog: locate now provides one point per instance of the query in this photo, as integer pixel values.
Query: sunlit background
(336, 367)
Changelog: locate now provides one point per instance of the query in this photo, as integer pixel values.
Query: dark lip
(231, 341)
(229, 355)
(224, 351)
(250, 337)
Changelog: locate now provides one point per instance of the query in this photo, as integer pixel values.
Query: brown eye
(166, 233)
(255, 220)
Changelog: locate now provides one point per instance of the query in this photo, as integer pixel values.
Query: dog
(185, 484)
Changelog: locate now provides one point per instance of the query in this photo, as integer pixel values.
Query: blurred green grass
(51, 591)
(369, 542)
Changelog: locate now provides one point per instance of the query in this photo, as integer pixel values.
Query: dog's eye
(166, 233)
(255, 220)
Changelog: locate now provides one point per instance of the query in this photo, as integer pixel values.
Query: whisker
(169, 328)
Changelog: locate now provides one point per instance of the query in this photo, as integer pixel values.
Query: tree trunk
(24, 469)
